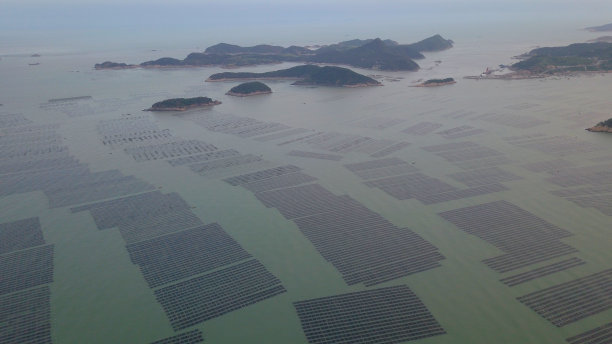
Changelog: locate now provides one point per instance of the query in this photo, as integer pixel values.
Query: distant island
(437, 82)
(182, 104)
(602, 39)
(606, 27)
(578, 57)
(605, 126)
(249, 89)
(375, 54)
(113, 65)
(567, 60)
(305, 75)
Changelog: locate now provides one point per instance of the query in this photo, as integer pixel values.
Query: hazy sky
(238, 20)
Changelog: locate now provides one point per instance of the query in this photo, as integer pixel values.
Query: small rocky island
(182, 104)
(605, 127)
(437, 82)
(114, 65)
(247, 89)
(305, 75)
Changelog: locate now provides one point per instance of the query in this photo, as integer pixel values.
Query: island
(247, 89)
(305, 75)
(377, 54)
(565, 61)
(437, 82)
(606, 27)
(113, 65)
(605, 127)
(182, 104)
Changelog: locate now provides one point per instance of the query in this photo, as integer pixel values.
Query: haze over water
(98, 295)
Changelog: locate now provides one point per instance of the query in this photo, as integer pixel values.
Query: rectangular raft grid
(569, 302)
(379, 123)
(385, 315)
(459, 132)
(363, 246)
(190, 337)
(598, 335)
(177, 253)
(26, 268)
(422, 128)
(315, 155)
(19, 235)
(511, 281)
(513, 120)
(208, 296)
(26, 317)
(175, 256)
(524, 237)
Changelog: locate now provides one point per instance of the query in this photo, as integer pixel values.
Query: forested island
(437, 82)
(249, 89)
(305, 75)
(605, 126)
(578, 57)
(375, 54)
(182, 104)
(113, 65)
(606, 27)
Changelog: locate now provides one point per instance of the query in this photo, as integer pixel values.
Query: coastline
(240, 79)
(436, 84)
(234, 94)
(599, 129)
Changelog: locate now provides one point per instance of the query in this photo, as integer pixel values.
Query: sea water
(99, 296)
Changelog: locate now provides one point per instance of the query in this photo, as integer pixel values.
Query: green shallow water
(99, 296)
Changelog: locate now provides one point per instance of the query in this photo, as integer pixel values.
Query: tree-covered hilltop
(249, 88)
(337, 76)
(181, 104)
(433, 43)
(574, 57)
(113, 65)
(605, 126)
(368, 53)
(306, 75)
(298, 72)
(606, 27)
(373, 55)
(439, 81)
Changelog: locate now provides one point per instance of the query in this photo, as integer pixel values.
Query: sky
(75, 22)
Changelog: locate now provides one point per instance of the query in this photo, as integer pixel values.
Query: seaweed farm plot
(513, 120)
(26, 316)
(559, 145)
(385, 315)
(26, 268)
(599, 335)
(403, 181)
(19, 235)
(173, 248)
(468, 155)
(211, 295)
(219, 154)
(492, 175)
(169, 150)
(568, 302)
(422, 128)
(363, 246)
(175, 256)
(132, 130)
(549, 166)
(13, 120)
(144, 216)
(378, 122)
(239, 126)
(282, 134)
(315, 155)
(543, 271)
(459, 132)
(190, 337)
(524, 237)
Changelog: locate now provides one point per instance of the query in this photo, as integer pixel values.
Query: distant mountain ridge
(375, 54)
(606, 27)
(576, 57)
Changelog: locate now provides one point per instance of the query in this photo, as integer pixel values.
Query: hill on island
(369, 53)
(249, 89)
(572, 58)
(606, 27)
(605, 126)
(182, 104)
(305, 75)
